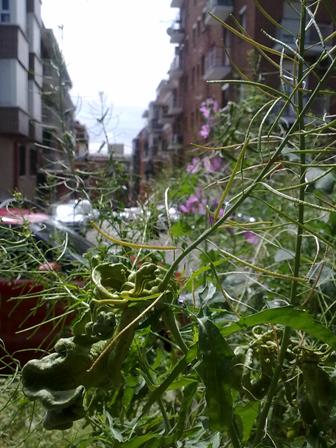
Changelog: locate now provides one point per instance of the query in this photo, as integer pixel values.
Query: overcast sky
(119, 47)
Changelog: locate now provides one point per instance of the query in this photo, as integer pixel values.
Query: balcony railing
(215, 66)
(175, 70)
(176, 3)
(313, 43)
(175, 142)
(155, 125)
(174, 107)
(219, 8)
(176, 32)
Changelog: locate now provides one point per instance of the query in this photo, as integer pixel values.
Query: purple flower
(220, 214)
(213, 164)
(251, 237)
(205, 111)
(209, 107)
(194, 205)
(205, 131)
(215, 106)
(194, 166)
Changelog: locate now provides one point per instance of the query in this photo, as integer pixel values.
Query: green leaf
(174, 373)
(288, 316)
(216, 371)
(182, 382)
(179, 229)
(185, 409)
(139, 441)
(248, 415)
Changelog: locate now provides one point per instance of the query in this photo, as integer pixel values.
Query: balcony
(176, 3)
(319, 107)
(176, 71)
(313, 44)
(176, 142)
(219, 8)
(174, 106)
(155, 126)
(13, 121)
(176, 32)
(172, 112)
(215, 66)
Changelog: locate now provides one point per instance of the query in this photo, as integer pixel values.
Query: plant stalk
(250, 188)
(260, 430)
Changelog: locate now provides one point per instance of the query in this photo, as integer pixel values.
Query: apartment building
(57, 106)
(82, 140)
(35, 103)
(20, 94)
(206, 51)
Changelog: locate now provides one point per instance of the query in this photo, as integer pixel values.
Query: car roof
(19, 216)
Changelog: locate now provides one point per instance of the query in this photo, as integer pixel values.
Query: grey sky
(119, 47)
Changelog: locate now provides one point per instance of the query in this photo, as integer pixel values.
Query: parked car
(29, 242)
(159, 215)
(76, 214)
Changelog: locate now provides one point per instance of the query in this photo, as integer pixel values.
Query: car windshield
(25, 247)
(59, 237)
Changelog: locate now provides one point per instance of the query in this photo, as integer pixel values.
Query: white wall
(35, 103)
(23, 50)
(21, 87)
(34, 35)
(19, 13)
(7, 82)
(13, 84)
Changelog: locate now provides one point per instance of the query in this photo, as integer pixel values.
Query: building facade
(206, 51)
(20, 94)
(35, 105)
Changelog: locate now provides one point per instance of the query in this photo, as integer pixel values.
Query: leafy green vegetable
(216, 365)
(288, 316)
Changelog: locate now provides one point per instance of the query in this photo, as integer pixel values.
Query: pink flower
(205, 111)
(213, 164)
(205, 131)
(194, 205)
(194, 166)
(215, 106)
(251, 237)
(209, 107)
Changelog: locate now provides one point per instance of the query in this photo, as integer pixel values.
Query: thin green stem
(233, 432)
(260, 430)
(249, 189)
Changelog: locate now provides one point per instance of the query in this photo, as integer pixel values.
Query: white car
(75, 214)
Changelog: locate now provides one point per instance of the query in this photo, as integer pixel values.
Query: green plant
(231, 340)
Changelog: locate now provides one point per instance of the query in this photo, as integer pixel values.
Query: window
(193, 74)
(192, 120)
(194, 36)
(197, 117)
(227, 46)
(22, 160)
(32, 162)
(4, 18)
(185, 83)
(198, 27)
(242, 17)
(4, 11)
(185, 123)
